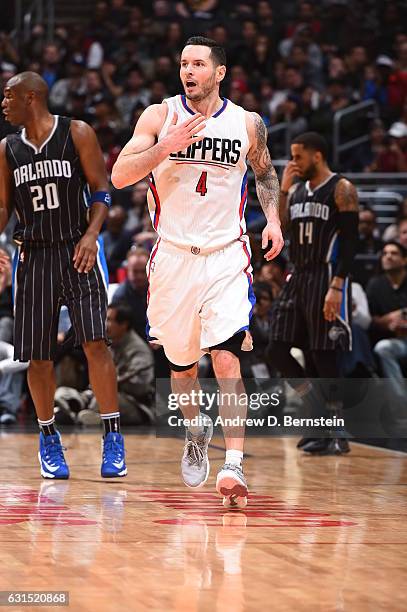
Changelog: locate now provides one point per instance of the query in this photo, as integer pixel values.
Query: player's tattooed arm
(346, 196)
(6, 199)
(267, 186)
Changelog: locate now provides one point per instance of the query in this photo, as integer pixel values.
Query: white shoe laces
(194, 453)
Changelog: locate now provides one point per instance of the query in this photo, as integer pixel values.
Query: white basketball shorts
(199, 300)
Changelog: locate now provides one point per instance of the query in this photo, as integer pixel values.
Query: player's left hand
(85, 254)
(332, 304)
(272, 232)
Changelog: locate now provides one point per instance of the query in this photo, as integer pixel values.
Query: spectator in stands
(135, 376)
(94, 88)
(293, 83)
(393, 158)
(376, 80)
(11, 383)
(402, 232)
(290, 111)
(73, 83)
(364, 156)
(138, 206)
(6, 303)
(78, 108)
(260, 322)
(356, 62)
(368, 249)
(134, 289)
(197, 9)
(117, 240)
(273, 274)
(359, 361)
(268, 24)
(135, 92)
(398, 81)
(51, 64)
(134, 363)
(392, 231)
(387, 296)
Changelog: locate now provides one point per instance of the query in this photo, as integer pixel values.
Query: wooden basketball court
(319, 533)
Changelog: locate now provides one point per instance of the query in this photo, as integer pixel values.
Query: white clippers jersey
(197, 196)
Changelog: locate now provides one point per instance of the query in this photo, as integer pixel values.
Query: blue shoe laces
(112, 450)
(54, 451)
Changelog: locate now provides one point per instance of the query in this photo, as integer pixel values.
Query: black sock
(111, 422)
(48, 427)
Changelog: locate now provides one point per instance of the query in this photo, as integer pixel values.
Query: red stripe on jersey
(241, 208)
(157, 204)
(249, 276)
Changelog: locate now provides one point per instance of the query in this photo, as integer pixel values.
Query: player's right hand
(179, 137)
(290, 172)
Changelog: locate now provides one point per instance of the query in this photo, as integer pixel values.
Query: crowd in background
(297, 62)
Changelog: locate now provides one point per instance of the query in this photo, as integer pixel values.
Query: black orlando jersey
(50, 189)
(313, 218)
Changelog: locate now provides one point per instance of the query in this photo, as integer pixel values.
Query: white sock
(235, 457)
(197, 430)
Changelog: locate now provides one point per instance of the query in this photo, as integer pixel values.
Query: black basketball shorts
(297, 316)
(45, 280)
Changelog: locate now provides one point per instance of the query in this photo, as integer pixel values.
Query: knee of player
(96, 349)
(225, 364)
(43, 366)
(384, 348)
(184, 372)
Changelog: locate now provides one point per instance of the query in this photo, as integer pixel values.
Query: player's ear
(317, 157)
(29, 97)
(220, 73)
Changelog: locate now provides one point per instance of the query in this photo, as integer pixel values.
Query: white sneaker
(195, 462)
(232, 485)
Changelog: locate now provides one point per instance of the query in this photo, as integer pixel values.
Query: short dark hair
(403, 251)
(313, 141)
(217, 52)
(124, 314)
(401, 219)
(369, 209)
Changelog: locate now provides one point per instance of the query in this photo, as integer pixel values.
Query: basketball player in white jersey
(194, 148)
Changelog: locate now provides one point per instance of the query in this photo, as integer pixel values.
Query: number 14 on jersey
(305, 232)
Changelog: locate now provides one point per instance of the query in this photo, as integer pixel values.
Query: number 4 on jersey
(201, 186)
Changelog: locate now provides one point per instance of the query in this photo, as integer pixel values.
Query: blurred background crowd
(296, 63)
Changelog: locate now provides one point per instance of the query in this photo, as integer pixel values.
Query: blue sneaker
(113, 456)
(51, 457)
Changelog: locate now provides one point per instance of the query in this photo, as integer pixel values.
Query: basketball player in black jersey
(45, 171)
(313, 309)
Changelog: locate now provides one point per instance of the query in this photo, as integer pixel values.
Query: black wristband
(284, 193)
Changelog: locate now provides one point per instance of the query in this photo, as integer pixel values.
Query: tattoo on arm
(346, 196)
(267, 185)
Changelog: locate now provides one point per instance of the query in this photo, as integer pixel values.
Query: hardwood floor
(319, 533)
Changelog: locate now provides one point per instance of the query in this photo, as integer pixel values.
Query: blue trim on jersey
(225, 102)
(252, 299)
(102, 258)
(343, 313)
(335, 252)
(14, 272)
(148, 327)
(244, 182)
(191, 112)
